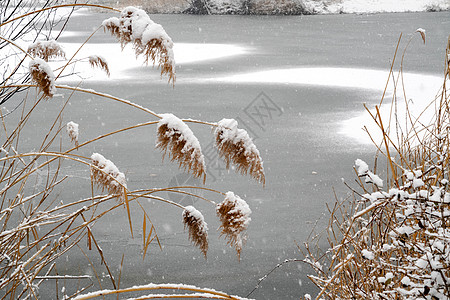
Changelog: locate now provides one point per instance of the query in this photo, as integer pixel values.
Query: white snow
(362, 167)
(420, 88)
(367, 254)
(376, 6)
(121, 63)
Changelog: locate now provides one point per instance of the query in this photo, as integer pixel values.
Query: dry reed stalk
(177, 138)
(234, 214)
(198, 229)
(236, 147)
(100, 62)
(43, 75)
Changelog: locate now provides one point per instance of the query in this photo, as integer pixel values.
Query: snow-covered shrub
(392, 241)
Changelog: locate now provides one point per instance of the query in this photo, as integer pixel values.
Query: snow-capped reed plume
(100, 62)
(46, 50)
(43, 75)
(148, 38)
(107, 176)
(234, 214)
(72, 130)
(198, 229)
(177, 138)
(236, 147)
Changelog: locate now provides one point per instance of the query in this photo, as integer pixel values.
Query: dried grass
(394, 244)
(40, 222)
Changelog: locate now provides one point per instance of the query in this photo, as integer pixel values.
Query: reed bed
(40, 223)
(390, 239)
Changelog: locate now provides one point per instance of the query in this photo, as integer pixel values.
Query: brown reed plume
(177, 138)
(100, 62)
(236, 147)
(198, 229)
(42, 74)
(72, 130)
(148, 38)
(107, 176)
(234, 214)
(46, 50)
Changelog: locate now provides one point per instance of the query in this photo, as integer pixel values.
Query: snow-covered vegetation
(41, 222)
(392, 240)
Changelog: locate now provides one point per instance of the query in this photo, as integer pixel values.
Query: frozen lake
(305, 75)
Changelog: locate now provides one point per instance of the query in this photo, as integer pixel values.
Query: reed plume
(72, 130)
(177, 138)
(107, 176)
(100, 62)
(46, 50)
(148, 38)
(42, 74)
(198, 229)
(236, 147)
(234, 214)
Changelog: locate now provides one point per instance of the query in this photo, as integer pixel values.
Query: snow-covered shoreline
(288, 7)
